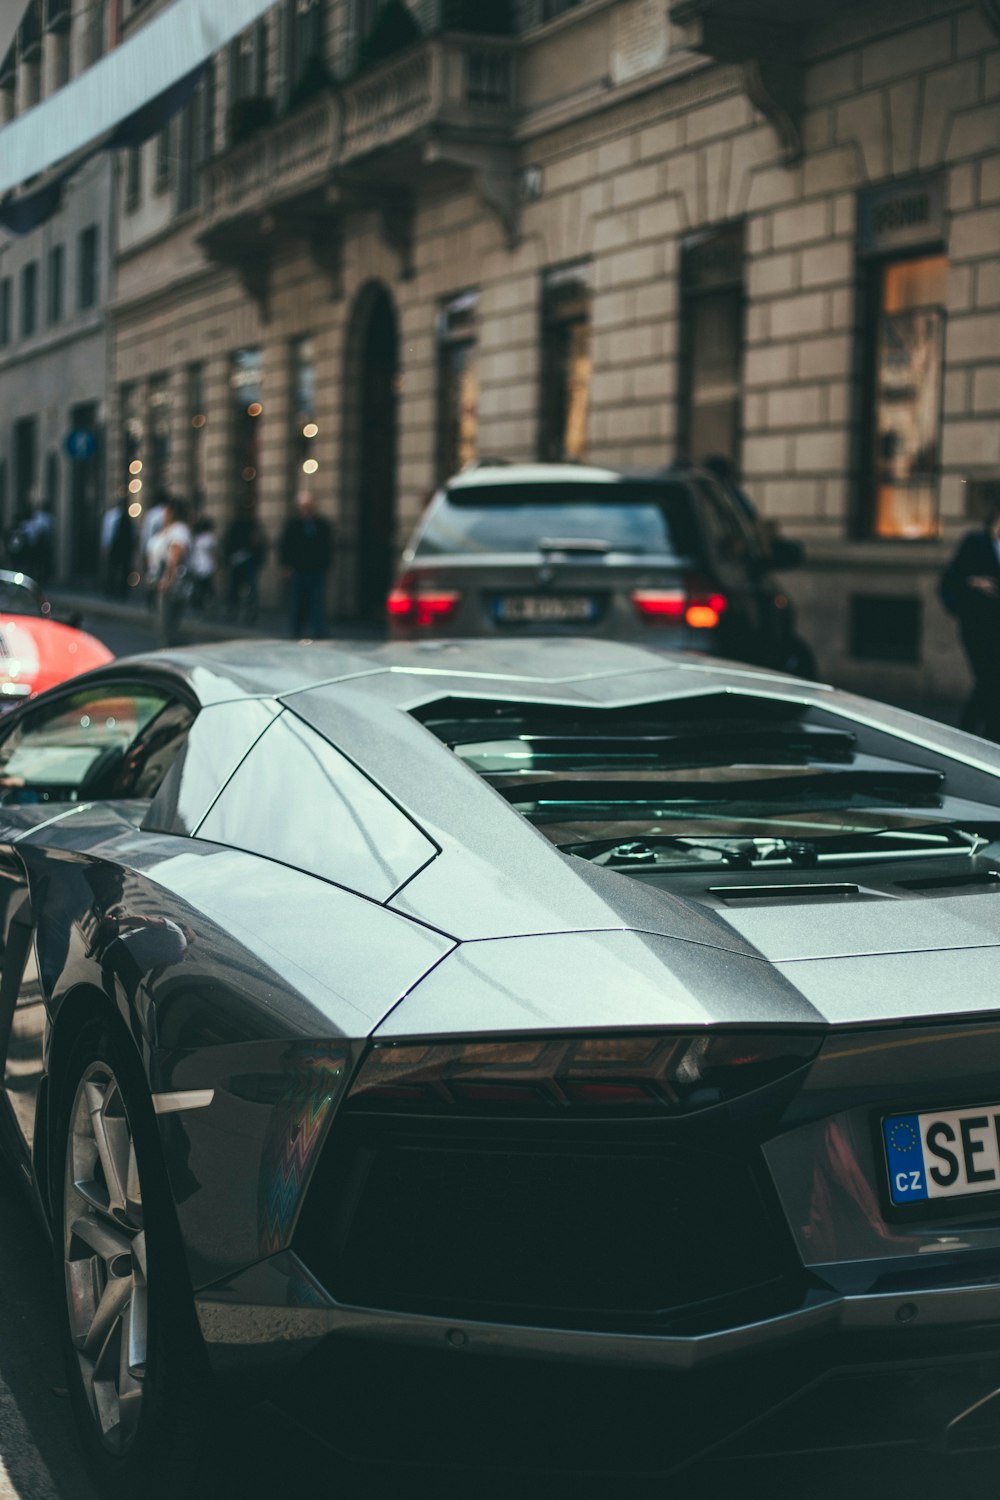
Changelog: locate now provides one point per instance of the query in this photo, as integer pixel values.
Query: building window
(62, 62)
(30, 39)
(712, 358)
(29, 299)
(248, 64)
(5, 312)
(905, 373)
(246, 385)
(209, 90)
(133, 178)
(57, 284)
(58, 15)
(458, 385)
(86, 296)
(250, 109)
(97, 30)
(164, 171)
(566, 362)
(188, 131)
(305, 41)
(305, 430)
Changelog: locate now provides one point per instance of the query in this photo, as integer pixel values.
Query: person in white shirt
(202, 564)
(169, 552)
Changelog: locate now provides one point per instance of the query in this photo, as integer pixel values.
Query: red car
(36, 651)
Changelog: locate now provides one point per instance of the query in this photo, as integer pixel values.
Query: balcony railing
(453, 82)
(448, 87)
(283, 162)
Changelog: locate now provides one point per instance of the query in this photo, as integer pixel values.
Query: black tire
(163, 1402)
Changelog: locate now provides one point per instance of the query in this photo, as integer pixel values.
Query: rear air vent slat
(784, 892)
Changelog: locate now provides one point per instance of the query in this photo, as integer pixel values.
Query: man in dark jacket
(970, 590)
(306, 555)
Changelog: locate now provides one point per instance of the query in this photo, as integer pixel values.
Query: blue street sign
(81, 444)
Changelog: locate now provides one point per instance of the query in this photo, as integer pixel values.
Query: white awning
(86, 111)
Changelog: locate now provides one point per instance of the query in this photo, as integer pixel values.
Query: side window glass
(297, 800)
(207, 756)
(72, 750)
(728, 536)
(151, 755)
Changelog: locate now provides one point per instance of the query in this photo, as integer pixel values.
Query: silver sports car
(371, 1014)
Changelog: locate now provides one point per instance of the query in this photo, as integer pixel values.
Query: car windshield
(629, 517)
(746, 783)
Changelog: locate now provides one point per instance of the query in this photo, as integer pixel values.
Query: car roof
(488, 475)
(538, 667)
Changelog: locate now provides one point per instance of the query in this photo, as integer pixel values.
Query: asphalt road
(261, 1453)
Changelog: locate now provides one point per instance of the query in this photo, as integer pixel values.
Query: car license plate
(543, 608)
(944, 1154)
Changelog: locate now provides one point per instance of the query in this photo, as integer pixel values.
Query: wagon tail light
(597, 1076)
(696, 605)
(419, 604)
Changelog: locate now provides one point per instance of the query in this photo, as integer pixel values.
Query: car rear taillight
(423, 605)
(697, 606)
(632, 1075)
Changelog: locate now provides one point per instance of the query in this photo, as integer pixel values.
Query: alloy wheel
(104, 1251)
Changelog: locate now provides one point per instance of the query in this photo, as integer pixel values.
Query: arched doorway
(370, 450)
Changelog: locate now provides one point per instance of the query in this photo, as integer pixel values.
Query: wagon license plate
(944, 1154)
(544, 608)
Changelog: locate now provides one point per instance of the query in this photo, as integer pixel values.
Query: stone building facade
(55, 350)
(614, 230)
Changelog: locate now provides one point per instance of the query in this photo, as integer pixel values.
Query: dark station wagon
(670, 559)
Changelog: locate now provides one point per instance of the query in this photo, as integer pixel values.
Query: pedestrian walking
(970, 590)
(116, 547)
(169, 553)
(306, 555)
(30, 544)
(202, 564)
(244, 550)
(109, 525)
(152, 524)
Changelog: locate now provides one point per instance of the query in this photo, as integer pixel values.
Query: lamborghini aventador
(370, 1014)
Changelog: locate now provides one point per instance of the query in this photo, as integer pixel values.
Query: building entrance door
(375, 442)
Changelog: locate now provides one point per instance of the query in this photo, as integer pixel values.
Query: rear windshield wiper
(575, 544)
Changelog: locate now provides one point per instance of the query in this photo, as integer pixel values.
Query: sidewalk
(272, 624)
